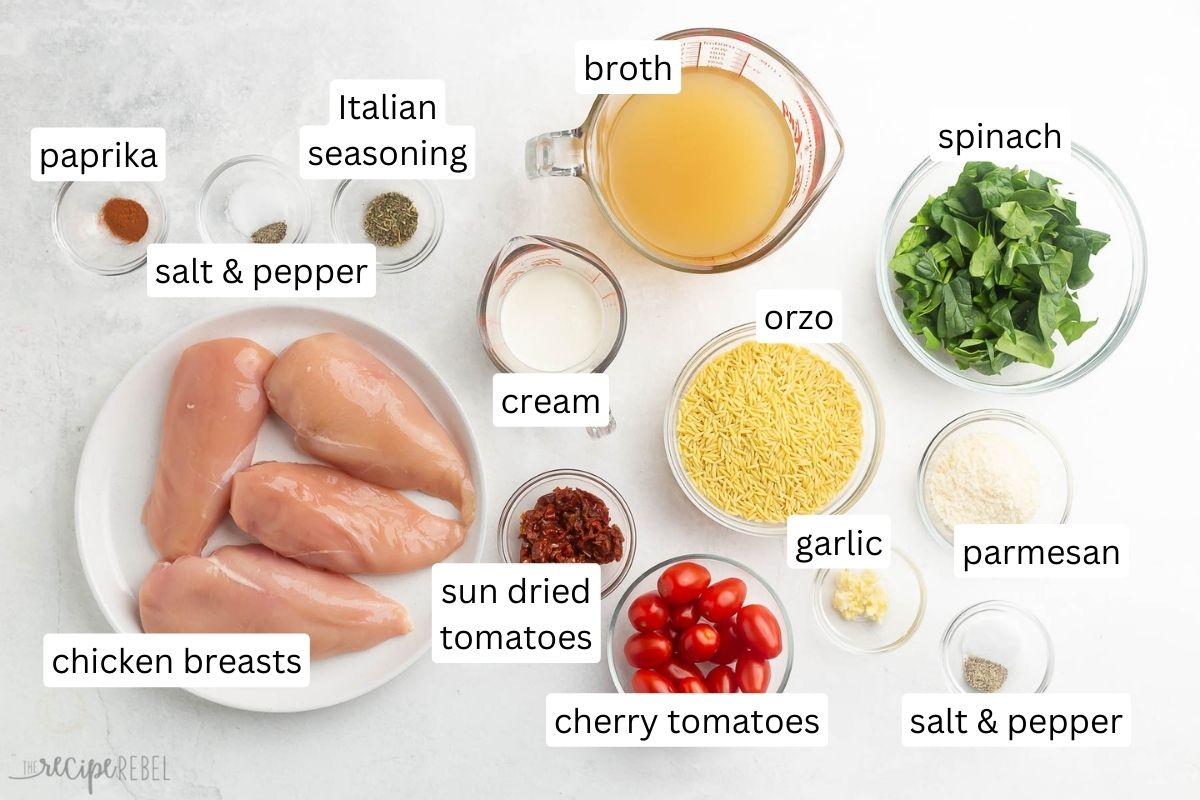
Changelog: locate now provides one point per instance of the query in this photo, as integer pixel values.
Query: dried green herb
(390, 219)
(988, 269)
(270, 234)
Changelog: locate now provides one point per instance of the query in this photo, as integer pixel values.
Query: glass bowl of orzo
(758, 432)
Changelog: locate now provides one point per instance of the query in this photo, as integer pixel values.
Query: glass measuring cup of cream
(551, 306)
(715, 177)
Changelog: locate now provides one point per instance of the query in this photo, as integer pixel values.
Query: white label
(385, 150)
(1004, 135)
(628, 66)
(260, 270)
(798, 316)
(687, 720)
(516, 613)
(839, 541)
(1041, 551)
(196, 660)
(549, 400)
(1015, 720)
(98, 154)
(387, 100)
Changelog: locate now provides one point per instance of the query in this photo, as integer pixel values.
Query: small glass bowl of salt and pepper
(253, 198)
(997, 646)
(105, 227)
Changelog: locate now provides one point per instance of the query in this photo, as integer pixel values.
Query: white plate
(117, 468)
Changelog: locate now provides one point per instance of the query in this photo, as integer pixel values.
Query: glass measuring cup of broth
(551, 306)
(715, 177)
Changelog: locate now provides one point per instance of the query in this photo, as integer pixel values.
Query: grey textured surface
(226, 80)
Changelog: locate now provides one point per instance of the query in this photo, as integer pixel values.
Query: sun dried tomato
(569, 526)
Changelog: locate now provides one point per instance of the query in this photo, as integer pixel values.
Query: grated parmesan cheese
(982, 478)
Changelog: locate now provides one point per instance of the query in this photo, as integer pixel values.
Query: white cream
(551, 319)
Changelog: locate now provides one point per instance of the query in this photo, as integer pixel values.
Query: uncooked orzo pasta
(769, 430)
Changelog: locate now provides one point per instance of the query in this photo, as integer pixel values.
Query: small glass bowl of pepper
(569, 516)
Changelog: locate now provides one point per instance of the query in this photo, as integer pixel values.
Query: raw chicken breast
(215, 406)
(326, 518)
(249, 589)
(348, 408)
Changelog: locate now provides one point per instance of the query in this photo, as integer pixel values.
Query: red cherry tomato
(721, 680)
(683, 582)
(649, 612)
(647, 681)
(722, 600)
(676, 670)
(759, 630)
(730, 645)
(691, 685)
(753, 674)
(684, 617)
(645, 650)
(698, 643)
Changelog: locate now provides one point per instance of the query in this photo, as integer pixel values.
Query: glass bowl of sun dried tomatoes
(700, 624)
(568, 516)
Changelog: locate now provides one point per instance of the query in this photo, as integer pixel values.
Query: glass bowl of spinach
(1012, 279)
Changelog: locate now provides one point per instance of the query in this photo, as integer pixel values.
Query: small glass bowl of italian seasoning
(254, 199)
(402, 218)
(997, 646)
(106, 227)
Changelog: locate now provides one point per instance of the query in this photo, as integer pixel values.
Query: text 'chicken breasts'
(250, 589)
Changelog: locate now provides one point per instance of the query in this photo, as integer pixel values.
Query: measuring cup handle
(555, 154)
(599, 433)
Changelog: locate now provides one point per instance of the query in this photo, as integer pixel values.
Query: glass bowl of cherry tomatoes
(700, 624)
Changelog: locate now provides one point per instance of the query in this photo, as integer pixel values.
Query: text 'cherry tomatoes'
(649, 612)
(644, 650)
(647, 681)
(759, 631)
(753, 674)
(721, 680)
(721, 600)
(683, 582)
(698, 643)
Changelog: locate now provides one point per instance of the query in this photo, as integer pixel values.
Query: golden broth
(702, 173)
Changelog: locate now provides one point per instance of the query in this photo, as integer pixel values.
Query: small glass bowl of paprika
(540, 507)
(105, 227)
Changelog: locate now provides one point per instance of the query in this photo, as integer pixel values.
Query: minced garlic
(860, 596)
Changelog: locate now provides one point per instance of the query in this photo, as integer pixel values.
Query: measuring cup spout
(555, 154)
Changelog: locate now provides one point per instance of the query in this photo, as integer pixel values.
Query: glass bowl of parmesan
(992, 467)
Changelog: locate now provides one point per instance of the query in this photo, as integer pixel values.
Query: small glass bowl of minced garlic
(402, 218)
(870, 610)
